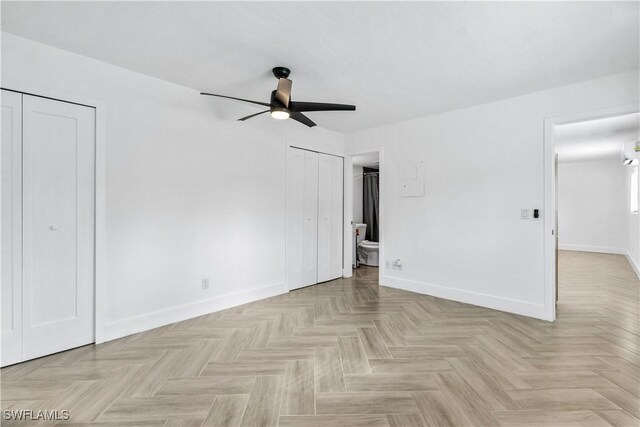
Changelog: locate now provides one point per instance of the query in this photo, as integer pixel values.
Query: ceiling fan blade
(319, 106)
(299, 117)
(237, 99)
(253, 115)
(283, 93)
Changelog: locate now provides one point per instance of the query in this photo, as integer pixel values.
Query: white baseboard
(523, 308)
(633, 263)
(598, 249)
(132, 325)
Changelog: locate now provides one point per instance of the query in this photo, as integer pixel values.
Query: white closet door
(58, 226)
(337, 223)
(325, 187)
(11, 232)
(302, 218)
(329, 217)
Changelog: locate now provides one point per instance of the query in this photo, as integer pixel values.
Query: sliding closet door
(11, 231)
(329, 218)
(58, 226)
(302, 218)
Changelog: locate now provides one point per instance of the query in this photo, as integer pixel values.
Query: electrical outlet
(524, 214)
(398, 264)
(205, 283)
(387, 264)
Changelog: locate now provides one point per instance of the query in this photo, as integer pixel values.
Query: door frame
(550, 207)
(348, 210)
(100, 179)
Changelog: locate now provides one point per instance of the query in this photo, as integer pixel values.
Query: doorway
(591, 193)
(364, 251)
(48, 227)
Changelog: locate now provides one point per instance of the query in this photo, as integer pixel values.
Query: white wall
(465, 240)
(190, 192)
(592, 206)
(357, 194)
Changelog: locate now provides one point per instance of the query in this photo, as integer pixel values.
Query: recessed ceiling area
(600, 139)
(395, 61)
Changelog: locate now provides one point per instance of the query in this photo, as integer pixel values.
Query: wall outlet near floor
(394, 265)
(524, 213)
(205, 283)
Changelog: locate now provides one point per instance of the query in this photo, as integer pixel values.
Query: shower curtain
(370, 206)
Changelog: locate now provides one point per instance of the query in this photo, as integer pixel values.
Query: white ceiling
(596, 139)
(369, 160)
(395, 61)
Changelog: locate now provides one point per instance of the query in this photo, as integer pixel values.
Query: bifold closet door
(11, 333)
(330, 183)
(58, 157)
(302, 218)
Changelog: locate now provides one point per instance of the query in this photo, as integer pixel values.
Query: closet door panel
(325, 188)
(58, 226)
(302, 218)
(295, 217)
(11, 155)
(310, 228)
(337, 223)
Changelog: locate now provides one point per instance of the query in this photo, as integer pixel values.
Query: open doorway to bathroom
(366, 215)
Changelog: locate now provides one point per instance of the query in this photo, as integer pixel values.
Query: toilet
(368, 253)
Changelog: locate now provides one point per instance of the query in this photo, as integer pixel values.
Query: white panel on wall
(411, 179)
(11, 227)
(58, 226)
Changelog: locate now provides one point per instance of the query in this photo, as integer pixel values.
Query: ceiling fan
(282, 107)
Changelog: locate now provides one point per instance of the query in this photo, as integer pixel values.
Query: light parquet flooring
(351, 353)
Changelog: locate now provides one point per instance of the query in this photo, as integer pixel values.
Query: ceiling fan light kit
(280, 113)
(281, 107)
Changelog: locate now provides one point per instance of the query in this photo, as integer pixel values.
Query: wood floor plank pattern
(352, 353)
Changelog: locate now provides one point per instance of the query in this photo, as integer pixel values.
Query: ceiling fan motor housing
(281, 72)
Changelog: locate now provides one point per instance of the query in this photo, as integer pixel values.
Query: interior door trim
(47, 97)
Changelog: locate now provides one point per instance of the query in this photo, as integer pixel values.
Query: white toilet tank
(359, 231)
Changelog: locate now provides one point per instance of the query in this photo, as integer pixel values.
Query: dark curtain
(370, 208)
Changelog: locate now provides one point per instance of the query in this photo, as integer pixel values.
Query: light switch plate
(524, 213)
